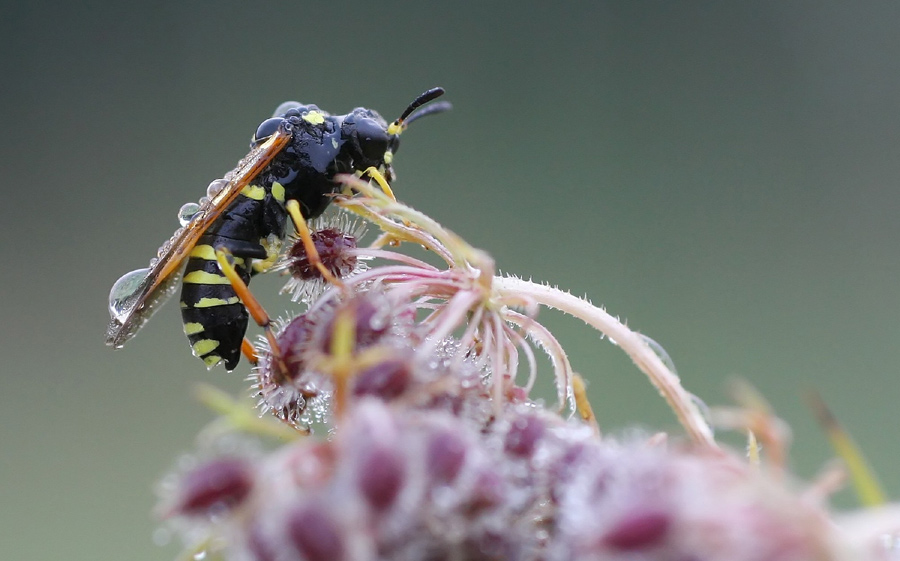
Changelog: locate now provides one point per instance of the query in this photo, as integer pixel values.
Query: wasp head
(375, 142)
(367, 139)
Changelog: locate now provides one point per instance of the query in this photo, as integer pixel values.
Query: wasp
(294, 156)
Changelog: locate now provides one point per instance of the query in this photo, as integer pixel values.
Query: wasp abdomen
(215, 319)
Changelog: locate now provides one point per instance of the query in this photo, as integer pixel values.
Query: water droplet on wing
(122, 291)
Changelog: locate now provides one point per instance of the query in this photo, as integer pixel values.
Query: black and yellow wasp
(294, 156)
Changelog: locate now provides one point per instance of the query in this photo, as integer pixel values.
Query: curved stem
(631, 342)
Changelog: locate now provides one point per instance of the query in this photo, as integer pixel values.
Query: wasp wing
(137, 295)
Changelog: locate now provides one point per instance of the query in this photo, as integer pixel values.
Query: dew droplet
(215, 187)
(187, 212)
(660, 352)
(287, 106)
(200, 555)
(122, 291)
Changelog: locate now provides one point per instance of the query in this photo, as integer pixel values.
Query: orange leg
(305, 236)
(249, 352)
(257, 312)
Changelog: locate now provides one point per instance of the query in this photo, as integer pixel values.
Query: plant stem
(667, 383)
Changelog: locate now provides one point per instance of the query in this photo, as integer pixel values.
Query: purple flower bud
(564, 468)
(637, 530)
(523, 436)
(220, 483)
(381, 476)
(372, 322)
(292, 341)
(487, 492)
(313, 465)
(315, 534)
(333, 247)
(386, 380)
(445, 456)
(261, 548)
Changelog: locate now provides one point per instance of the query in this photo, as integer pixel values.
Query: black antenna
(439, 107)
(423, 98)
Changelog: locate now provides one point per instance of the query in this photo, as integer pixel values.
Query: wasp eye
(266, 129)
(373, 139)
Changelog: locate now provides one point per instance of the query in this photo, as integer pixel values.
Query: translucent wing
(138, 294)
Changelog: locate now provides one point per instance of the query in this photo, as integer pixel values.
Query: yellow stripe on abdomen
(213, 302)
(202, 277)
(204, 346)
(208, 253)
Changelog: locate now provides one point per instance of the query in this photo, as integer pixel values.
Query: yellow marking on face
(204, 346)
(388, 157)
(314, 118)
(212, 360)
(202, 277)
(254, 192)
(192, 328)
(278, 192)
(213, 302)
(394, 129)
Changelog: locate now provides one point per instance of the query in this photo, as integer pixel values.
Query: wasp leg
(379, 178)
(249, 352)
(373, 172)
(302, 228)
(255, 309)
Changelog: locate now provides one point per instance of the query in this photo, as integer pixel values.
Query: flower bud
(445, 456)
(222, 483)
(381, 476)
(315, 534)
(523, 435)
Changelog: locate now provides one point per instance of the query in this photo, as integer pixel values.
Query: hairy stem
(631, 342)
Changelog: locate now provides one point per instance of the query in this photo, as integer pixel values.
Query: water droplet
(187, 212)
(660, 352)
(287, 106)
(204, 201)
(200, 555)
(215, 187)
(122, 291)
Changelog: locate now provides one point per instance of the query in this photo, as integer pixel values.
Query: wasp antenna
(423, 98)
(430, 110)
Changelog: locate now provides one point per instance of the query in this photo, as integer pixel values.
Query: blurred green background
(722, 175)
